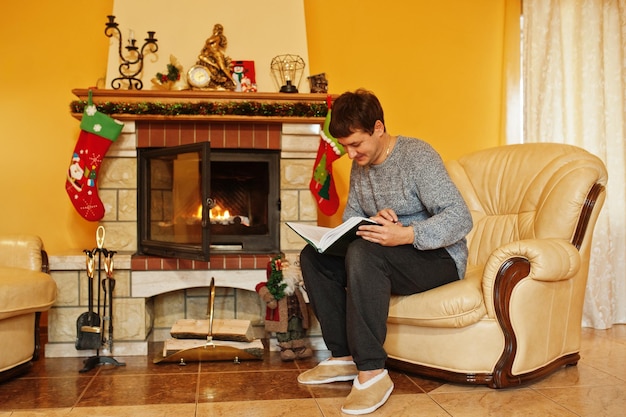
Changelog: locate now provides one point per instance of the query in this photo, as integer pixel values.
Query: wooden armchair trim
(509, 275)
(45, 267)
(45, 264)
(585, 214)
(441, 374)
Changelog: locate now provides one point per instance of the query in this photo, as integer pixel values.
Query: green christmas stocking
(98, 132)
(322, 184)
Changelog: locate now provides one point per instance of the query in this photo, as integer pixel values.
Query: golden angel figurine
(214, 58)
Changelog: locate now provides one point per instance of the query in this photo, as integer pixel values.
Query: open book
(333, 241)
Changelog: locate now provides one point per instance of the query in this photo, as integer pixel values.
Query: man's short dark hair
(355, 111)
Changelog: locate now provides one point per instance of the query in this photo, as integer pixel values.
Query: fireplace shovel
(213, 349)
(88, 325)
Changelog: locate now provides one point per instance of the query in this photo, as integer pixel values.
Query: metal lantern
(287, 71)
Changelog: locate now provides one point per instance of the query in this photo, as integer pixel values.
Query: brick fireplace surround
(151, 293)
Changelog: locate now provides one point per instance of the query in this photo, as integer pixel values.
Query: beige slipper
(329, 371)
(366, 398)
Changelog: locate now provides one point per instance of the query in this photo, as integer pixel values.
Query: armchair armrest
(22, 251)
(545, 259)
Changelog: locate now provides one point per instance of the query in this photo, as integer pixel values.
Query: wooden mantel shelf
(168, 102)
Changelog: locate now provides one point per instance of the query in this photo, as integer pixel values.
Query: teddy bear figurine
(286, 310)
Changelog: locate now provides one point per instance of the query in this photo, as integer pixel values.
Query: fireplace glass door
(194, 201)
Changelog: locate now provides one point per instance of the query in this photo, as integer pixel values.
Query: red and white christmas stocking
(97, 132)
(322, 184)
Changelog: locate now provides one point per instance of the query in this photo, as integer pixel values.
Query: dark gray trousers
(350, 296)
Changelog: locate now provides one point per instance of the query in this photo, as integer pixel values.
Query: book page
(344, 227)
(309, 232)
(323, 238)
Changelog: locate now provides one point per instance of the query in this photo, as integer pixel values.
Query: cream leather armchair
(516, 316)
(26, 290)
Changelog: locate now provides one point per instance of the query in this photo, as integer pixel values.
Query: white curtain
(574, 66)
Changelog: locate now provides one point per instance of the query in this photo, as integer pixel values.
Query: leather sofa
(26, 290)
(516, 316)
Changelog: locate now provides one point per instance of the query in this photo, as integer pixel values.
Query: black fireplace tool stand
(104, 306)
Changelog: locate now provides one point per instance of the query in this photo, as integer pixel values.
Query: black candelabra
(132, 64)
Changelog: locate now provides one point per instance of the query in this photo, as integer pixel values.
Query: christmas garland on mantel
(232, 108)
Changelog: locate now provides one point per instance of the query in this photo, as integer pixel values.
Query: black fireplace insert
(194, 201)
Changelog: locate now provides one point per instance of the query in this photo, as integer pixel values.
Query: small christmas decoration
(98, 132)
(208, 108)
(244, 76)
(172, 79)
(286, 309)
(322, 184)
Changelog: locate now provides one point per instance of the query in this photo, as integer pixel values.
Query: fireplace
(152, 290)
(279, 130)
(194, 201)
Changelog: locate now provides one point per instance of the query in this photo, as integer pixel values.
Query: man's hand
(388, 232)
(385, 214)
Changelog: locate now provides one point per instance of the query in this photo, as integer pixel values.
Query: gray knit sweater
(414, 183)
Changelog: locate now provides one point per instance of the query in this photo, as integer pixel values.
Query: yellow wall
(47, 49)
(254, 29)
(436, 67)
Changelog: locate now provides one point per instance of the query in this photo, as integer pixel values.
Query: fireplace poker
(108, 284)
(104, 283)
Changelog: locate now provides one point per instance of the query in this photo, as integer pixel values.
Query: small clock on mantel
(198, 76)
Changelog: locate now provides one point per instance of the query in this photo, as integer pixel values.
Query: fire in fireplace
(194, 201)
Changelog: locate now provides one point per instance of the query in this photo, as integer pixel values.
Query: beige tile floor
(268, 388)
